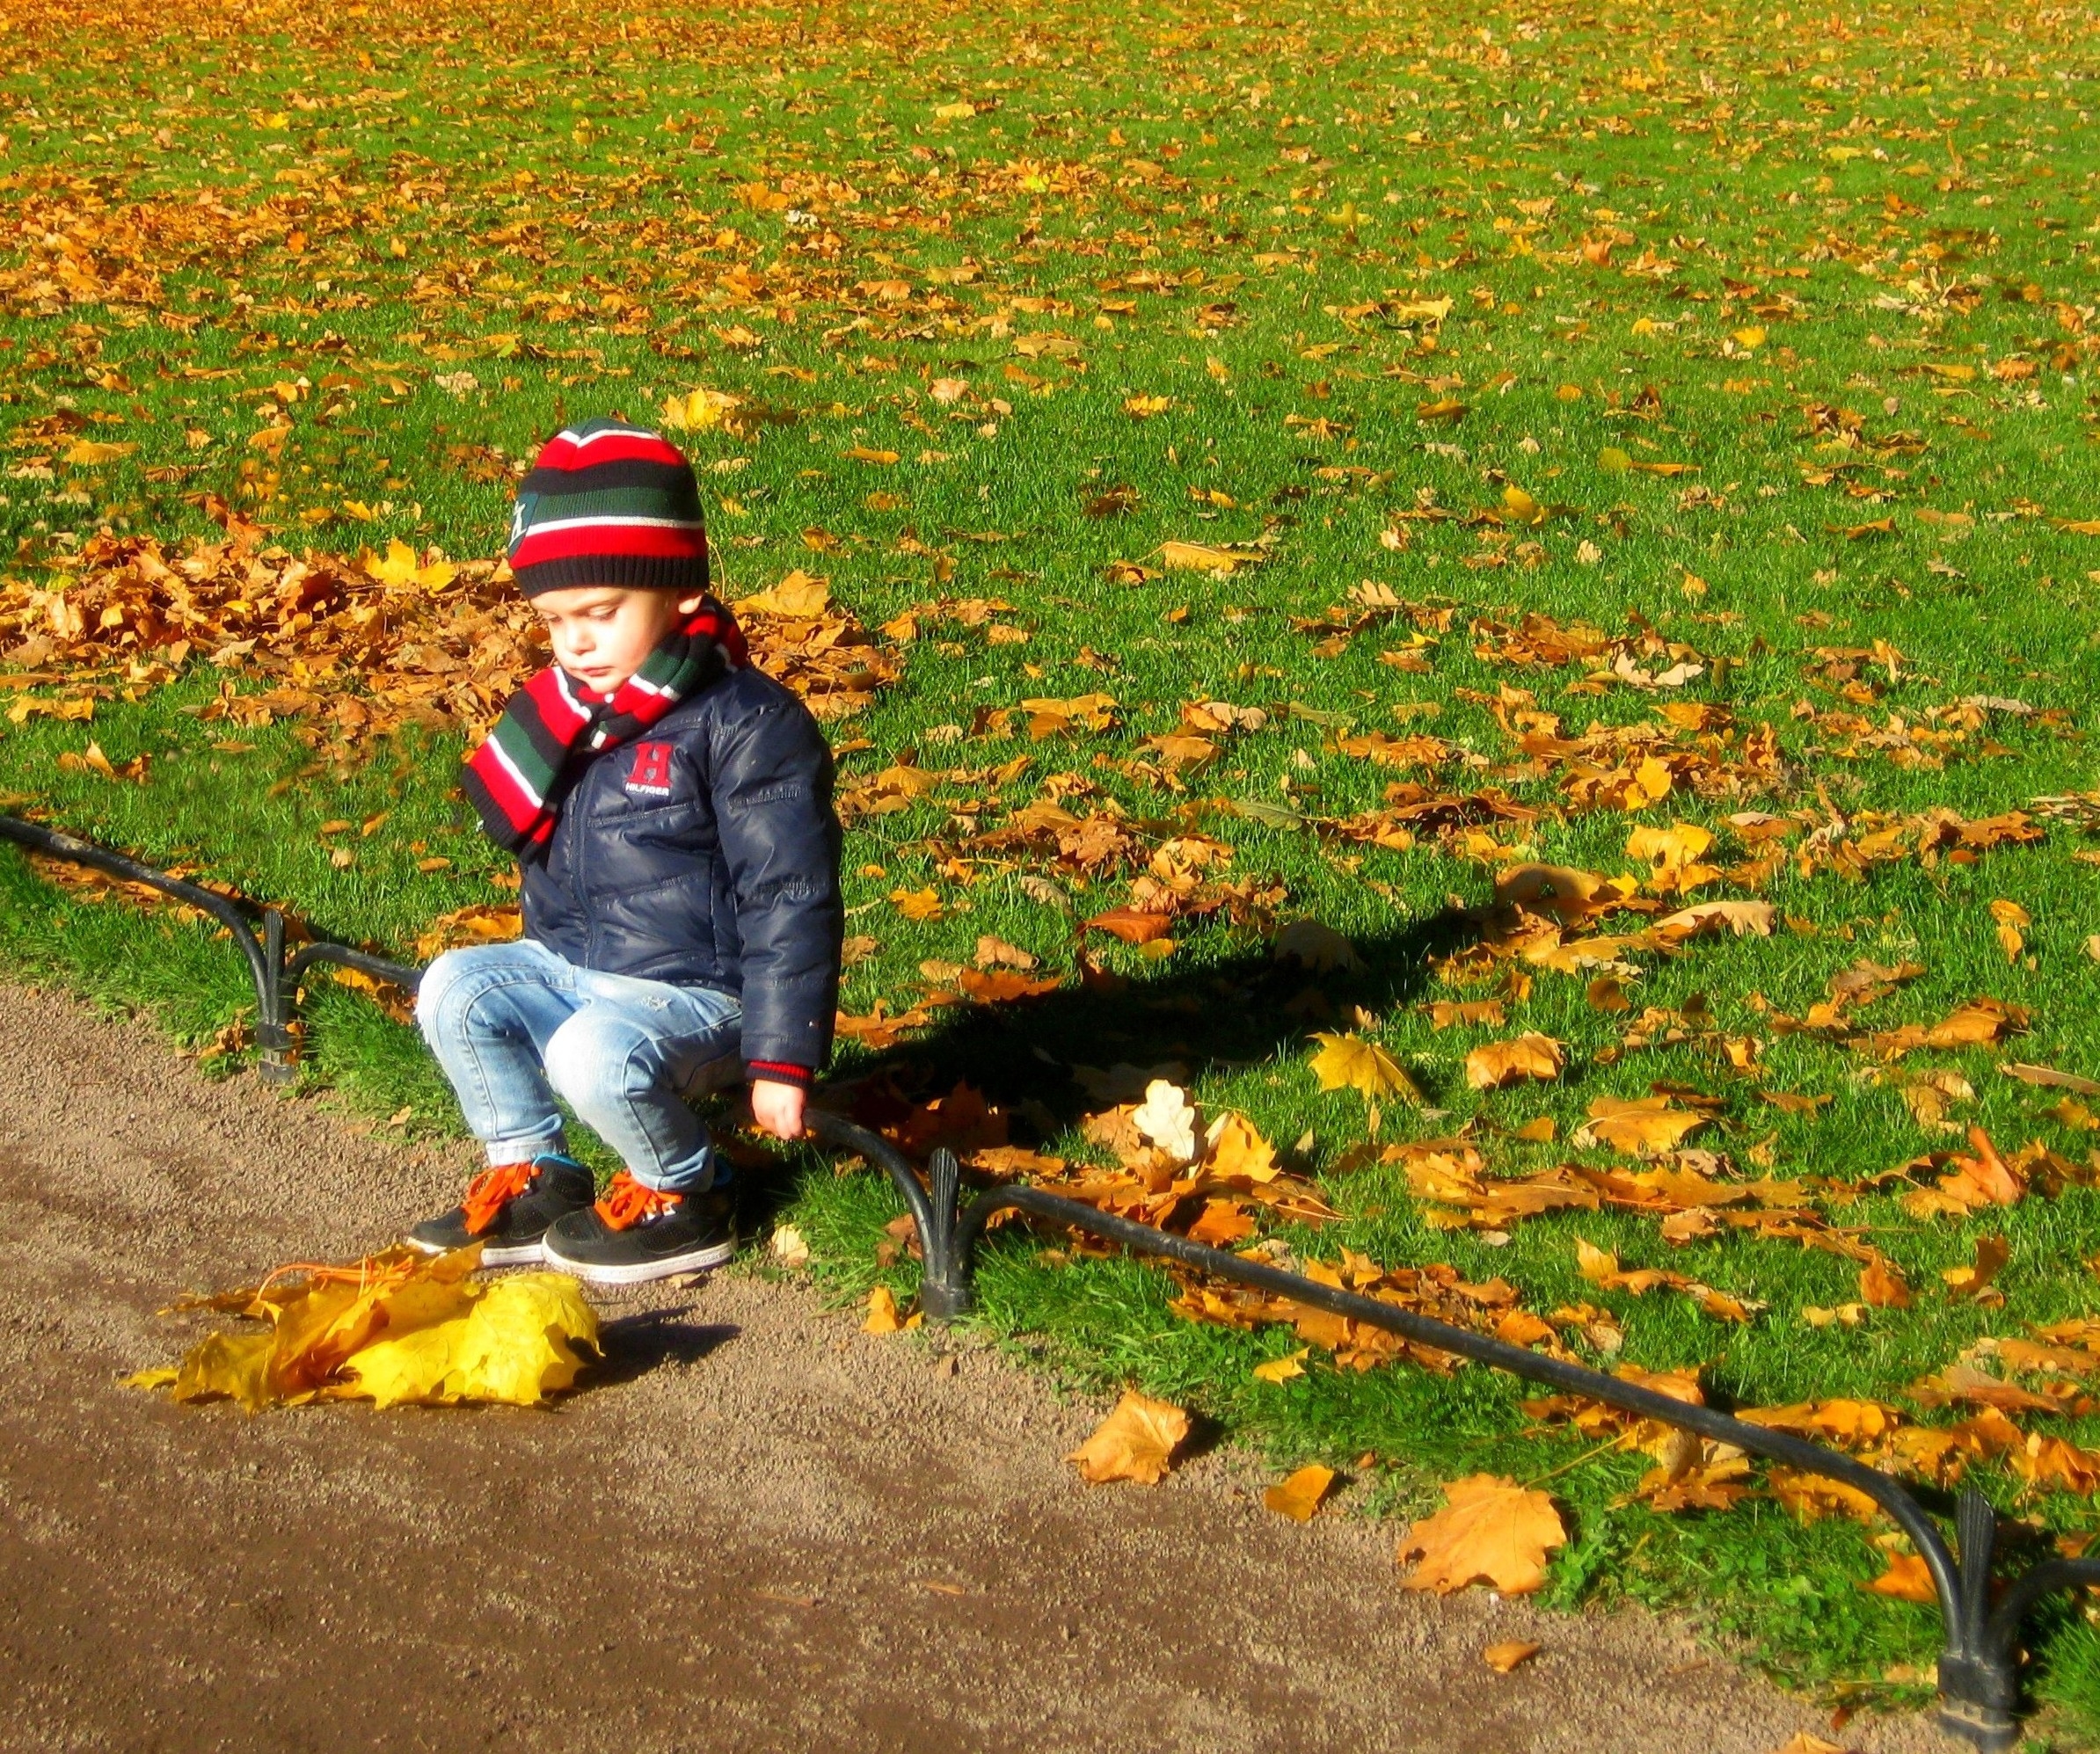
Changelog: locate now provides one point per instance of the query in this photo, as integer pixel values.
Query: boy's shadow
(1050, 1060)
(634, 1345)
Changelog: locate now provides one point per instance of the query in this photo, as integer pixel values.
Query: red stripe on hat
(538, 547)
(566, 453)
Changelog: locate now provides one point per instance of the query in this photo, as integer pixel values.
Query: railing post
(1979, 1673)
(944, 1291)
(274, 1039)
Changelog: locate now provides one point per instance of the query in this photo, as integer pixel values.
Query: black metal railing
(256, 927)
(1979, 1656)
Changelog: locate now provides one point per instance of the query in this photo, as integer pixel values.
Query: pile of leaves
(354, 645)
(397, 1328)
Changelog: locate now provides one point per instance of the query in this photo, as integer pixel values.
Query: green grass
(502, 225)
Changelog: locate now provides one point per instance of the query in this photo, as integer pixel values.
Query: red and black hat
(608, 504)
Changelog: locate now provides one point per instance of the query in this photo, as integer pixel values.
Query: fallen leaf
(1235, 1148)
(398, 1328)
(1881, 1284)
(1167, 1118)
(1493, 1064)
(791, 1248)
(2050, 1078)
(1752, 919)
(1282, 1370)
(1319, 948)
(917, 904)
(1132, 926)
(1299, 1496)
(1179, 556)
(1643, 1126)
(1504, 1658)
(1490, 1531)
(1351, 1062)
(882, 1312)
(1136, 1441)
(1992, 1253)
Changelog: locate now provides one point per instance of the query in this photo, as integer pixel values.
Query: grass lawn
(1658, 445)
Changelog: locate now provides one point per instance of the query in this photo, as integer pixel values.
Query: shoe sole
(510, 1254)
(669, 1266)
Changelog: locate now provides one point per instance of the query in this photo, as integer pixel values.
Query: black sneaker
(508, 1210)
(635, 1235)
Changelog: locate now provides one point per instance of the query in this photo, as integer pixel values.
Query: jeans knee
(593, 1058)
(437, 994)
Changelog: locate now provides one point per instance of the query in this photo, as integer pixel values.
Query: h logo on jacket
(651, 774)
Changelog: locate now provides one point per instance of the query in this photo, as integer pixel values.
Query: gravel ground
(759, 1529)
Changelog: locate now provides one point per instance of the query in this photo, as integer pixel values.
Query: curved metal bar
(835, 1130)
(1782, 1446)
(2003, 1628)
(378, 967)
(238, 917)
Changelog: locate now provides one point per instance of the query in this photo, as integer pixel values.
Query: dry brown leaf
(1493, 1064)
(1743, 918)
(1643, 1126)
(1490, 1531)
(1299, 1496)
(1992, 1253)
(1881, 1284)
(882, 1312)
(1505, 1658)
(1136, 1441)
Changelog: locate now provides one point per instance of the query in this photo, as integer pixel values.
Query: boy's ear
(690, 606)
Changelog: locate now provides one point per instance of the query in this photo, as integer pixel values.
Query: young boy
(670, 808)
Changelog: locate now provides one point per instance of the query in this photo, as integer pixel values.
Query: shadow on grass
(1047, 1058)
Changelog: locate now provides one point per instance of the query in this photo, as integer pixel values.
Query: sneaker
(507, 1210)
(635, 1235)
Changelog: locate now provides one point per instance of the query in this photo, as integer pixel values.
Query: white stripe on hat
(582, 440)
(633, 523)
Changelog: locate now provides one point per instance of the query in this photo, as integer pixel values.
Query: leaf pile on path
(397, 1328)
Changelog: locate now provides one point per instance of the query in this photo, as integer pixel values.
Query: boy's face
(602, 632)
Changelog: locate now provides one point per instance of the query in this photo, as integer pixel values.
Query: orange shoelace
(491, 1190)
(627, 1202)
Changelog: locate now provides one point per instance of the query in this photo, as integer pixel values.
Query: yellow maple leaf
(882, 1312)
(1298, 1497)
(89, 451)
(916, 904)
(797, 595)
(1529, 1056)
(1179, 556)
(1238, 1149)
(398, 1326)
(1351, 1062)
(1490, 1531)
(1644, 1126)
(400, 569)
(1136, 1441)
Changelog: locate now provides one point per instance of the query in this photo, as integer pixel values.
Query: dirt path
(764, 1530)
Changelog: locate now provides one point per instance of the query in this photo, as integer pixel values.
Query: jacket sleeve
(772, 786)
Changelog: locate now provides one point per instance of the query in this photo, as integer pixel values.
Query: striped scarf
(517, 779)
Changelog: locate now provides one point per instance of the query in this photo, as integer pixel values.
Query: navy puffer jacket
(705, 852)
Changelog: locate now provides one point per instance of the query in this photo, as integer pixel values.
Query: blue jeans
(514, 1026)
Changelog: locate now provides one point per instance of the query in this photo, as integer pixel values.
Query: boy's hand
(778, 1108)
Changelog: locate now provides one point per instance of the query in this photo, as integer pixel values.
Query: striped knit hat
(608, 504)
